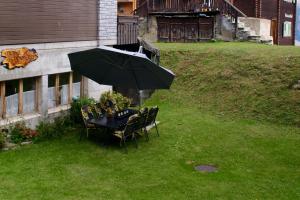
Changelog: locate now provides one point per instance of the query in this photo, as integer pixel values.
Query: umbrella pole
(140, 99)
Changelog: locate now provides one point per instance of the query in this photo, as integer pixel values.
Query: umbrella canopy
(110, 66)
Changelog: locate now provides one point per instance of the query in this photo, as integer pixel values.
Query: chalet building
(53, 29)
(282, 14)
(268, 21)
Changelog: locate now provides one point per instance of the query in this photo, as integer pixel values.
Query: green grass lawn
(222, 110)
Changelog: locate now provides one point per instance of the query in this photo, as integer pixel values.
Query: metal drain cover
(206, 168)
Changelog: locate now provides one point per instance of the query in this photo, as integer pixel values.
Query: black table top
(112, 122)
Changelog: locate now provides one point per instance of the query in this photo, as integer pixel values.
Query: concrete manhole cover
(206, 168)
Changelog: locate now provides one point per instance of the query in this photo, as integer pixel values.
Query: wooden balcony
(182, 6)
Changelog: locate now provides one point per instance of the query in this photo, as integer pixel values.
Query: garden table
(112, 123)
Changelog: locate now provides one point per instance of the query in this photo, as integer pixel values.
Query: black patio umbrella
(110, 66)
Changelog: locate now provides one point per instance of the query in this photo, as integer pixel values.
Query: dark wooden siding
(246, 6)
(185, 29)
(269, 9)
(127, 29)
(37, 21)
(289, 9)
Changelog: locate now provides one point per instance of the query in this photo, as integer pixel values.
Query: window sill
(18, 118)
(59, 109)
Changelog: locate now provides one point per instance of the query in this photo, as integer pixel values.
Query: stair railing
(143, 9)
(229, 10)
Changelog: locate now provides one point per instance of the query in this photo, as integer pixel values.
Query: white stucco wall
(53, 59)
(95, 90)
(262, 27)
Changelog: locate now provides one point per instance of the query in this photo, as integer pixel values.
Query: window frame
(287, 32)
(3, 113)
(57, 89)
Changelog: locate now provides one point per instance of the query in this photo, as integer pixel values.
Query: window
(76, 84)
(51, 91)
(12, 98)
(62, 87)
(30, 97)
(18, 97)
(287, 29)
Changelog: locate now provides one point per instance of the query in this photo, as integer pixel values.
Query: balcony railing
(183, 6)
(161, 7)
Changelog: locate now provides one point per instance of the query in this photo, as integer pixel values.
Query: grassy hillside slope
(236, 79)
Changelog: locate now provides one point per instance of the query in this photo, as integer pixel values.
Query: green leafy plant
(75, 111)
(53, 129)
(2, 139)
(20, 133)
(113, 101)
(45, 130)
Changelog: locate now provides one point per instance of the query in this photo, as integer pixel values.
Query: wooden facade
(279, 11)
(247, 6)
(145, 7)
(189, 20)
(42, 21)
(188, 29)
(127, 29)
(187, 6)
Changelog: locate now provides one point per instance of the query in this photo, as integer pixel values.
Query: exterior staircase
(245, 33)
(245, 28)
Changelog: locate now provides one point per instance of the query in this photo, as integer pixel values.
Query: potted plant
(112, 102)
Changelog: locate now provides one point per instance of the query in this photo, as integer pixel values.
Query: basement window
(18, 97)
(30, 98)
(11, 98)
(287, 29)
(77, 86)
(51, 91)
(62, 87)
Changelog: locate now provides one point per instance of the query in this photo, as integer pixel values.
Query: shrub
(113, 99)
(75, 111)
(51, 130)
(20, 133)
(2, 139)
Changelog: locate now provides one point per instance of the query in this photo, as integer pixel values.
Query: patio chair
(131, 127)
(151, 119)
(87, 114)
(143, 113)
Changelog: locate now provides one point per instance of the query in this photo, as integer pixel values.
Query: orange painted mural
(15, 58)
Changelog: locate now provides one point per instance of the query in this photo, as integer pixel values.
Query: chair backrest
(143, 113)
(97, 110)
(87, 113)
(132, 125)
(151, 116)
